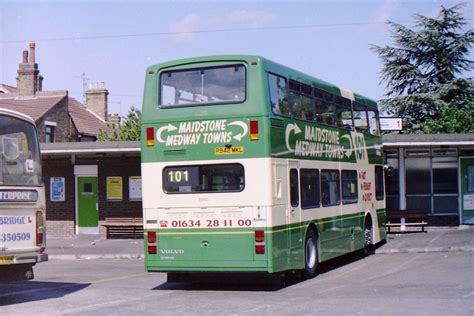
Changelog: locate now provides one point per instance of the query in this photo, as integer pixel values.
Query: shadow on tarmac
(30, 291)
(250, 282)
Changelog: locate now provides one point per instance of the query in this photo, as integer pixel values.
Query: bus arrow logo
(244, 127)
(289, 128)
(348, 152)
(168, 128)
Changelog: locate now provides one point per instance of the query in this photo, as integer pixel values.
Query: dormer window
(49, 131)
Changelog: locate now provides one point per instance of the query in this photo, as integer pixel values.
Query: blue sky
(114, 41)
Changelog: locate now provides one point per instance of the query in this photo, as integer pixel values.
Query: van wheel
(311, 255)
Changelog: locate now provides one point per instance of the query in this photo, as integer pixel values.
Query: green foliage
(129, 128)
(421, 72)
(452, 120)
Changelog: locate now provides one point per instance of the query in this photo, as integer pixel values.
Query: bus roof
(17, 115)
(269, 66)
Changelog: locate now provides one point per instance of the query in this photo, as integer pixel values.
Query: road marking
(435, 238)
(123, 277)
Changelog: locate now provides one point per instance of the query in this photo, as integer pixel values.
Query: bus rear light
(254, 130)
(260, 249)
(151, 237)
(259, 236)
(259, 242)
(152, 250)
(150, 136)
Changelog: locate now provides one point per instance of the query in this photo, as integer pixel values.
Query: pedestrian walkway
(93, 247)
(434, 240)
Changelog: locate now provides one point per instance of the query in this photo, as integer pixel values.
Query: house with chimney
(58, 117)
(86, 169)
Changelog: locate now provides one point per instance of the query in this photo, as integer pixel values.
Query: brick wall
(59, 229)
(60, 216)
(60, 115)
(124, 167)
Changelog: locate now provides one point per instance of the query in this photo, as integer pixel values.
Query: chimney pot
(32, 52)
(28, 80)
(96, 100)
(25, 57)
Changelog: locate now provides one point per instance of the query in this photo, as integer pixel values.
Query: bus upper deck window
(210, 85)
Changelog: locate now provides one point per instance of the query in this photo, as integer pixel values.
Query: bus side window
(325, 112)
(360, 118)
(344, 113)
(379, 189)
(305, 109)
(349, 186)
(295, 104)
(278, 95)
(294, 189)
(373, 122)
(330, 187)
(309, 181)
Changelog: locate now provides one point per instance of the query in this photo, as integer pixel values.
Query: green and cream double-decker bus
(248, 165)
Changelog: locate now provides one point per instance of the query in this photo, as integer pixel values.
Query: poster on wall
(57, 189)
(114, 189)
(135, 188)
(468, 201)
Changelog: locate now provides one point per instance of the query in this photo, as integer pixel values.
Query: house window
(49, 134)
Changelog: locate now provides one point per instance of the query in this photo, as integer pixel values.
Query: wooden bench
(407, 218)
(124, 227)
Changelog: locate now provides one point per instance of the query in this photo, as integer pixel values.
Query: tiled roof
(86, 121)
(33, 107)
(7, 89)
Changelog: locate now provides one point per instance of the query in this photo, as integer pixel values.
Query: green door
(87, 202)
(467, 191)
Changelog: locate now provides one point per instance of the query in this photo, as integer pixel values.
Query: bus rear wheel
(368, 238)
(311, 255)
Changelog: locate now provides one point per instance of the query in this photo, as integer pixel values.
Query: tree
(129, 129)
(421, 72)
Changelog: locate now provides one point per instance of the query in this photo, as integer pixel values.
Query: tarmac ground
(435, 239)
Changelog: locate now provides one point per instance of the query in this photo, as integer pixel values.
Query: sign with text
(57, 189)
(135, 188)
(114, 189)
(18, 196)
(391, 124)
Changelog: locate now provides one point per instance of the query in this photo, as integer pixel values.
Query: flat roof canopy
(118, 148)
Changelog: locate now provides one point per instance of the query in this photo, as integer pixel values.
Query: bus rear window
(204, 178)
(202, 86)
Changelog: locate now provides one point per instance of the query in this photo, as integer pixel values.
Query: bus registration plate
(229, 150)
(6, 260)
